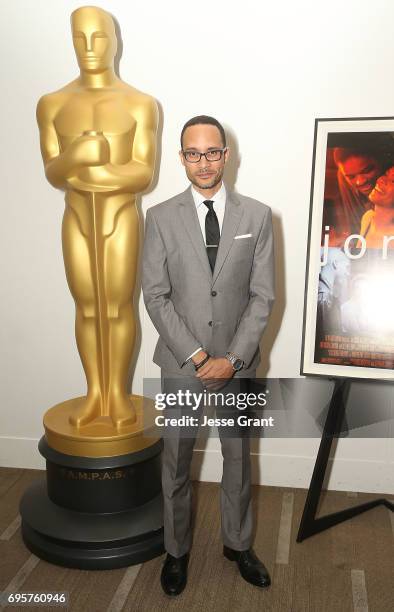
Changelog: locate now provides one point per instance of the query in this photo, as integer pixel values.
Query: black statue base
(90, 513)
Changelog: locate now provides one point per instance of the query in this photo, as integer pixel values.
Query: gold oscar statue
(101, 504)
(98, 142)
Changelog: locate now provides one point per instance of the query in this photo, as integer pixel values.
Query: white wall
(266, 70)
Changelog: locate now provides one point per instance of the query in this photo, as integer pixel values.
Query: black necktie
(212, 233)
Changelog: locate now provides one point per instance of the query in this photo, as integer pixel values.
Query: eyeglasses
(212, 155)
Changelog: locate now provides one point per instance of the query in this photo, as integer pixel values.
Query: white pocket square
(242, 236)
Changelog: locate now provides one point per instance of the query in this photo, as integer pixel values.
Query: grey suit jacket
(190, 306)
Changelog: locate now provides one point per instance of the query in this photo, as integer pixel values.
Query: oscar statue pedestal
(101, 511)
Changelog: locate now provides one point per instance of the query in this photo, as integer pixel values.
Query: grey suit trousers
(235, 491)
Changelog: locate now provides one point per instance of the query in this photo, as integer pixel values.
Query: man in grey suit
(208, 285)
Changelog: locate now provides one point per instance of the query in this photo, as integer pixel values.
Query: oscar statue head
(94, 38)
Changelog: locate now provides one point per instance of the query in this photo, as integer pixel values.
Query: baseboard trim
(366, 476)
(20, 453)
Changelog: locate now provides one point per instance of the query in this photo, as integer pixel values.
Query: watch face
(238, 363)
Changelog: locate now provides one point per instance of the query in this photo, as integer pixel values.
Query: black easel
(310, 525)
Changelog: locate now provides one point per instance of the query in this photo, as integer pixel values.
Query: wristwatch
(235, 361)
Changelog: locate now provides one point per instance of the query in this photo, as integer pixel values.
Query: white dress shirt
(219, 205)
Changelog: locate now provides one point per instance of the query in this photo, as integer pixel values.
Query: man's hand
(215, 368)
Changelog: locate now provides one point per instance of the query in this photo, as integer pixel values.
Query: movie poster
(349, 297)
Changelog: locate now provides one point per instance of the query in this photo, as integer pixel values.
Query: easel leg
(309, 524)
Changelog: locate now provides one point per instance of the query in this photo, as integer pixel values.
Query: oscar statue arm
(62, 166)
(135, 175)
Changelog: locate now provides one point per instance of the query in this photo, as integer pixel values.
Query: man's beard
(215, 181)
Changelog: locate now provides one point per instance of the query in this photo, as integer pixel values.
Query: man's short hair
(381, 157)
(341, 154)
(204, 120)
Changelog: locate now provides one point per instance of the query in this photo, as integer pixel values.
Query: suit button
(210, 323)
(213, 293)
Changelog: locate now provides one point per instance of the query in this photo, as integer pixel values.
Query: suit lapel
(189, 217)
(232, 217)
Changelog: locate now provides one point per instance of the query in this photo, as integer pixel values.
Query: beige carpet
(348, 568)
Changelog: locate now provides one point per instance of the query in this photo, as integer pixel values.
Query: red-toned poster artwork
(355, 303)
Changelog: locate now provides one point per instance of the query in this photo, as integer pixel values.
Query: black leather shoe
(174, 574)
(251, 568)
